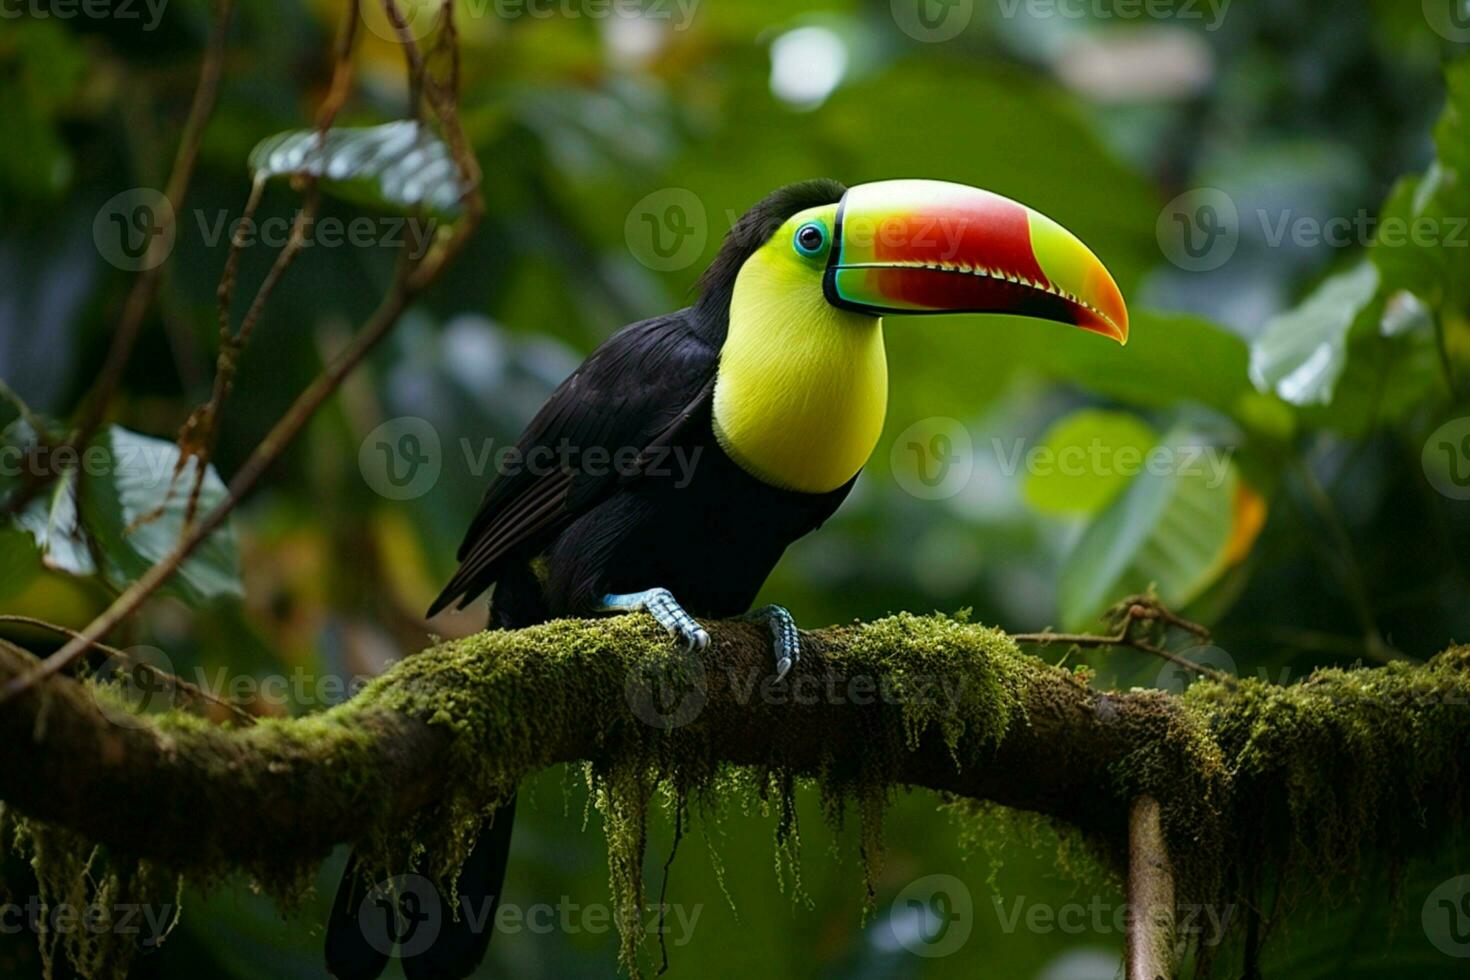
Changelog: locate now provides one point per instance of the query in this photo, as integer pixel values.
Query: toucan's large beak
(928, 246)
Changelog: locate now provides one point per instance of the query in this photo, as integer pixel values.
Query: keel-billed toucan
(774, 384)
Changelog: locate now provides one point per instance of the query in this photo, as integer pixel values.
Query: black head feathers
(755, 228)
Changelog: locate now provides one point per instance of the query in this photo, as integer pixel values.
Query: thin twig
(341, 86)
(173, 680)
(245, 480)
(1139, 609)
(27, 414)
(225, 291)
(411, 278)
(198, 437)
(145, 286)
(300, 230)
(446, 45)
(411, 54)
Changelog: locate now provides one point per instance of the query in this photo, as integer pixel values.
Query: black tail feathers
(351, 952)
(368, 924)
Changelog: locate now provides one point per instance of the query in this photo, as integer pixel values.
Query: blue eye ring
(810, 239)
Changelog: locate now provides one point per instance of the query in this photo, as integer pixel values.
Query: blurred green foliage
(1322, 373)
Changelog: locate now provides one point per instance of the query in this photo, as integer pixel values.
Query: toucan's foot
(663, 607)
(784, 637)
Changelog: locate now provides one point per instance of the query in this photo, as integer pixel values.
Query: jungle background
(1231, 164)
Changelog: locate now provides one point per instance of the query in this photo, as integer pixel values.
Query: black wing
(631, 392)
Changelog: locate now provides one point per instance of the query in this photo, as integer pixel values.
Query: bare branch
(411, 279)
(341, 85)
(1134, 611)
(145, 286)
(191, 691)
(270, 448)
(199, 433)
(1150, 895)
(413, 58)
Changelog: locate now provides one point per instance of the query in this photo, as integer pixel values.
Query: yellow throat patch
(802, 386)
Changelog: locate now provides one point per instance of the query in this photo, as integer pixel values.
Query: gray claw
(689, 634)
(695, 637)
(785, 640)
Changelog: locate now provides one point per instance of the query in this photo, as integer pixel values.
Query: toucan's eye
(810, 238)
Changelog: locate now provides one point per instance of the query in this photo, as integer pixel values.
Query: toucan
(774, 383)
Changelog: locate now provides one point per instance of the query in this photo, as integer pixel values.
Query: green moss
(1297, 790)
(1307, 778)
(73, 874)
(987, 832)
(1342, 766)
(479, 689)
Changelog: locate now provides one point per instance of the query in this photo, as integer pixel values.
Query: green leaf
(1172, 528)
(1423, 245)
(50, 518)
(1301, 353)
(134, 509)
(1085, 460)
(1402, 264)
(399, 166)
(20, 561)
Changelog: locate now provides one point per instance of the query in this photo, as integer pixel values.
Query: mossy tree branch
(1344, 765)
(195, 791)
